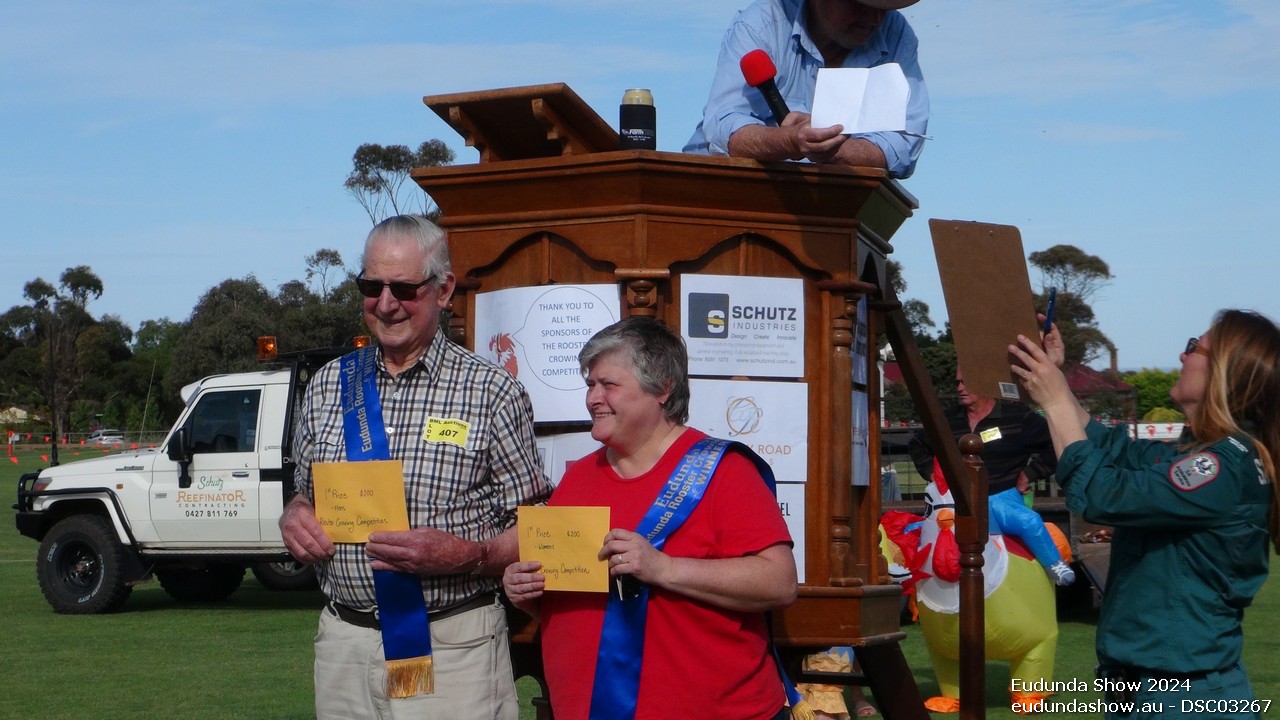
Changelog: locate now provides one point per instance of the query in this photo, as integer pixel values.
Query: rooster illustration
(504, 349)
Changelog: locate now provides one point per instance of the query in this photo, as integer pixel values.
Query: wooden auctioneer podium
(553, 200)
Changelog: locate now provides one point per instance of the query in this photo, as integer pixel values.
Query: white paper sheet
(863, 100)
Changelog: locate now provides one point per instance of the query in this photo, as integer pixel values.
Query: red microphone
(759, 71)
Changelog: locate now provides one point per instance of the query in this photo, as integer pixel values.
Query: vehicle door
(221, 504)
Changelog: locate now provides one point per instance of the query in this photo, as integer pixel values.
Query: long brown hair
(1243, 392)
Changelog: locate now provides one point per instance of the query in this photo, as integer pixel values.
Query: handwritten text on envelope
(353, 499)
(566, 540)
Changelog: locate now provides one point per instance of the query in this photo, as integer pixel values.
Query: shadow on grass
(251, 597)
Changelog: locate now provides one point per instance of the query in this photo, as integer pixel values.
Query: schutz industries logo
(708, 315)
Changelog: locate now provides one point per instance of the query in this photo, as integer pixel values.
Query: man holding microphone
(801, 36)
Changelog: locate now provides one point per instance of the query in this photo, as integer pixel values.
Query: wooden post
(971, 536)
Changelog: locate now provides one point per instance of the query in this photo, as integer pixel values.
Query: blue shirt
(778, 28)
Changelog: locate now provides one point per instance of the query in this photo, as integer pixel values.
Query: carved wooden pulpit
(554, 201)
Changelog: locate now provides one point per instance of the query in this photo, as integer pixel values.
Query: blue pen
(1048, 313)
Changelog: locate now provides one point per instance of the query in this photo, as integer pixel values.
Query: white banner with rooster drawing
(535, 334)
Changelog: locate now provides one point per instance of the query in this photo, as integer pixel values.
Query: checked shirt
(471, 491)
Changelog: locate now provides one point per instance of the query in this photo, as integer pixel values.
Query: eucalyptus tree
(379, 178)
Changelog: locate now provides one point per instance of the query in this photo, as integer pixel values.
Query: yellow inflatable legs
(1022, 627)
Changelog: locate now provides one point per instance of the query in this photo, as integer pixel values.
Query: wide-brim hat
(888, 4)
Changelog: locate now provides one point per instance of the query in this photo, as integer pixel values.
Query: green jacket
(1189, 549)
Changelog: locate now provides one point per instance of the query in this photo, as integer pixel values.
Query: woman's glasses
(402, 291)
(1194, 346)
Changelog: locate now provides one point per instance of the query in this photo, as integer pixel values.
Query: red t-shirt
(699, 660)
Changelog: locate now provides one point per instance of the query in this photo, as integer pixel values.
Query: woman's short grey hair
(428, 236)
(657, 356)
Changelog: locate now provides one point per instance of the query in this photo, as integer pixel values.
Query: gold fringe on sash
(802, 711)
(410, 676)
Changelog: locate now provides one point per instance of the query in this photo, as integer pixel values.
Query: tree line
(74, 371)
(77, 371)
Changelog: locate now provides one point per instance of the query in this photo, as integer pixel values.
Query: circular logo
(743, 416)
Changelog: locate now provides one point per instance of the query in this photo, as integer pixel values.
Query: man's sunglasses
(402, 291)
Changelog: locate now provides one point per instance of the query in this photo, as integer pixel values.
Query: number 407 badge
(446, 430)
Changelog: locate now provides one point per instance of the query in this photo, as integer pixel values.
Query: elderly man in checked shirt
(462, 495)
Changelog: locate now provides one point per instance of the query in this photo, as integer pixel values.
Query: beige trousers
(472, 671)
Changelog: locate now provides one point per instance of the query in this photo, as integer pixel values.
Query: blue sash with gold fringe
(402, 610)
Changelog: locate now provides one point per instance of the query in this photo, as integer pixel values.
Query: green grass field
(250, 657)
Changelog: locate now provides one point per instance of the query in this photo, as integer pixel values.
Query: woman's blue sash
(620, 655)
(402, 609)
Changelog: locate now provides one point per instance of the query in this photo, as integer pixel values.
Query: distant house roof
(892, 372)
(1083, 381)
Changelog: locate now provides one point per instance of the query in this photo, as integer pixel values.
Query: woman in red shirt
(702, 649)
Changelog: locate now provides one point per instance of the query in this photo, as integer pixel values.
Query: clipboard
(989, 301)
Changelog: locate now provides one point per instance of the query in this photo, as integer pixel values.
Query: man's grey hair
(428, 236)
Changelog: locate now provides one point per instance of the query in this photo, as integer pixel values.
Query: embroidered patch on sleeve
(1195, 471)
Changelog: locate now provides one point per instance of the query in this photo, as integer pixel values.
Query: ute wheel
(289, 575)
(206, 584)
(81, 567)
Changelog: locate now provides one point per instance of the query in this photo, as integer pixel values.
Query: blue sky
(170, 146)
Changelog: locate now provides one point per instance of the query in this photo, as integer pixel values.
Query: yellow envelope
(353, 499)
(566, 540)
